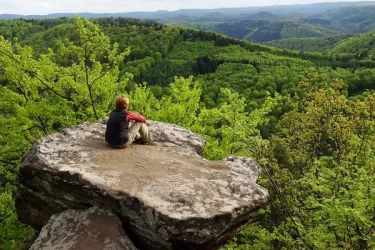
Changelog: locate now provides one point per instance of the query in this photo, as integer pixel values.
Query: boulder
(166, 195)
(94, 229)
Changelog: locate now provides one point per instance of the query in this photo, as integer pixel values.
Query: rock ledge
(166, 195)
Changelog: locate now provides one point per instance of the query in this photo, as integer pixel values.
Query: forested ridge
(259, 24)
(274, 26)
(259, 30)
(308, 44)
(362, 45)
(307, 118)
(301, 10)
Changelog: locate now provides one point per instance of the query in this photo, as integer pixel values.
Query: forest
(359, 45)
(298, 27)
(307, 118)
(266, 26)
(309, 44)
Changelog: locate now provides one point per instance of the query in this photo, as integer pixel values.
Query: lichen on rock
(166, 194)
(94, 229)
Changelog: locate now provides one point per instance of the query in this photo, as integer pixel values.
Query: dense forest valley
(319, 27)
(308, 118)
(273, 26)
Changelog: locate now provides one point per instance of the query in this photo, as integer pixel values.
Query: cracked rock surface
(166, 195)
(94, 229)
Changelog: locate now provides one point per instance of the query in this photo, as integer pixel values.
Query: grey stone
(166, 194)
(94, 229)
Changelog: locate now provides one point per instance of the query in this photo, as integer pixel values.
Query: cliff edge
(165, 194)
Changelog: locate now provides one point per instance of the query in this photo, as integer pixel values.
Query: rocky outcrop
(94, 229)
(166, 195)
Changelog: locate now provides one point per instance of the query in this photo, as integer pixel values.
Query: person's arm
(135, 117)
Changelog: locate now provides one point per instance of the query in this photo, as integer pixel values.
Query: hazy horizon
(43, 7)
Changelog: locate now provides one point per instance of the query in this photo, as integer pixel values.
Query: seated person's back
(124, 127)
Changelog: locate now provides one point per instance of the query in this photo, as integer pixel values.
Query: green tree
(319, 168)
(39, 95)
(12, 231)
(229, 129)
(181, 105)
(93, 74)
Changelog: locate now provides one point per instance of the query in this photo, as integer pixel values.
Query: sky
(32, 7)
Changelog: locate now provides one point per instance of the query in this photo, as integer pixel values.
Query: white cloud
(101, 6)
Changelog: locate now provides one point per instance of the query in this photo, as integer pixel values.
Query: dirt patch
(138, 165)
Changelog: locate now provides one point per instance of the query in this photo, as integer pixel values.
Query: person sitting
(124, 126)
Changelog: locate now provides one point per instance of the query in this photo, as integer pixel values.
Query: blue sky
(100, 6)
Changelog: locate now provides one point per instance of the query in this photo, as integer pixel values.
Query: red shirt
(135, 118)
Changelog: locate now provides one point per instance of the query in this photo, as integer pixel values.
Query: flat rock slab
(167, 196)
(94, 229)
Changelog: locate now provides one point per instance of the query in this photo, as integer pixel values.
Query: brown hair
(122, 102)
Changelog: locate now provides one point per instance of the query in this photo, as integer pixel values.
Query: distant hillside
(268, 30)
(22, 29)
(216, 17)
(264, 26)
(347, 20)
(308, 44)
(362, 45)
(262, 15)
(261, 30)
(259, 24)
(160, 52)
(199, 25)
(10, 16)
(300, 10)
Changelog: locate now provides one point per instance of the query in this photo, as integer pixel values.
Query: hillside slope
(258, 30)
(268, 30)
(266, 26)
(362, 45)
(159, 53)
(308, 44)
(300, 10)
(347, 20)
